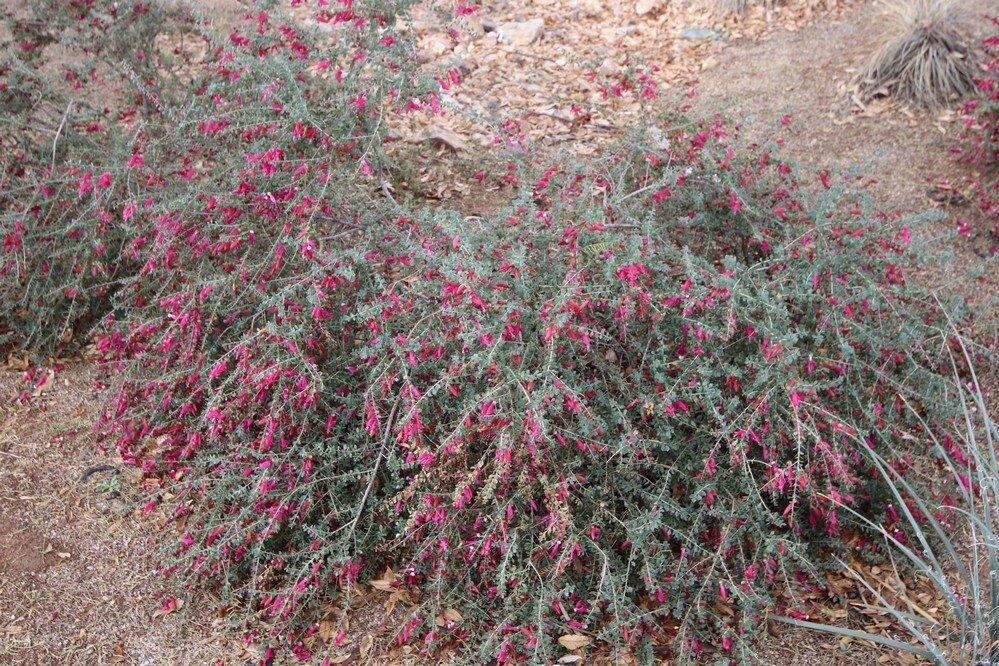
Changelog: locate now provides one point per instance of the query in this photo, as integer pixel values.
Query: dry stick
(62, 124)
(378, 463)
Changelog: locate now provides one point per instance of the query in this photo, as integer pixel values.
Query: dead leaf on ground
(395, 597)
(119, 655)
(367, 643)
(385, 583)
(326, 630)
(574, 641)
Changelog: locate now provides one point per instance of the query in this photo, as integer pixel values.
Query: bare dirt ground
(78, 577)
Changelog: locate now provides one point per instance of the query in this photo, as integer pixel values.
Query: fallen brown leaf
(574, 641)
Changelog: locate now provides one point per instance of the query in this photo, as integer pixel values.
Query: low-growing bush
(82, 87)
(979, 138)
(626, 407)
(634, 405)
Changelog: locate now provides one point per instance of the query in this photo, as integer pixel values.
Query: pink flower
(85, 184)
(371, 418)
(218, 369)
(129, 210)
(308, 250)
(631, 273)
(734, 204)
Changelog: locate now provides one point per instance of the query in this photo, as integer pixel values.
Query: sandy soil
(78, 579)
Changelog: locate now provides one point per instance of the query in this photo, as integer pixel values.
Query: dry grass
(925, 61)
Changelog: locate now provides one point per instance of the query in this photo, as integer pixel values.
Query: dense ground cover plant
(979, 137)
(79, 86)
(635, 404)
(628, 406)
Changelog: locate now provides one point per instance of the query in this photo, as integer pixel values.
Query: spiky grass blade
(926, 60)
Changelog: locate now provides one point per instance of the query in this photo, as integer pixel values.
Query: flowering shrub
(76, 94)
(629, 405)
(632, 405)
(979, 136)
(980, 128)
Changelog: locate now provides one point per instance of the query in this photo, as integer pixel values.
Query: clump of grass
(925, 61)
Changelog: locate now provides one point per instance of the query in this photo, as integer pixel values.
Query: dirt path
(78, 580)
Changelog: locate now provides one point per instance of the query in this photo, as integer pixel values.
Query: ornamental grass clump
(633, 405)
(925, 61)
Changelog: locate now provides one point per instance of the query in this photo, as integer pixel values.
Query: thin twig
(374, 472)
(62, 124)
